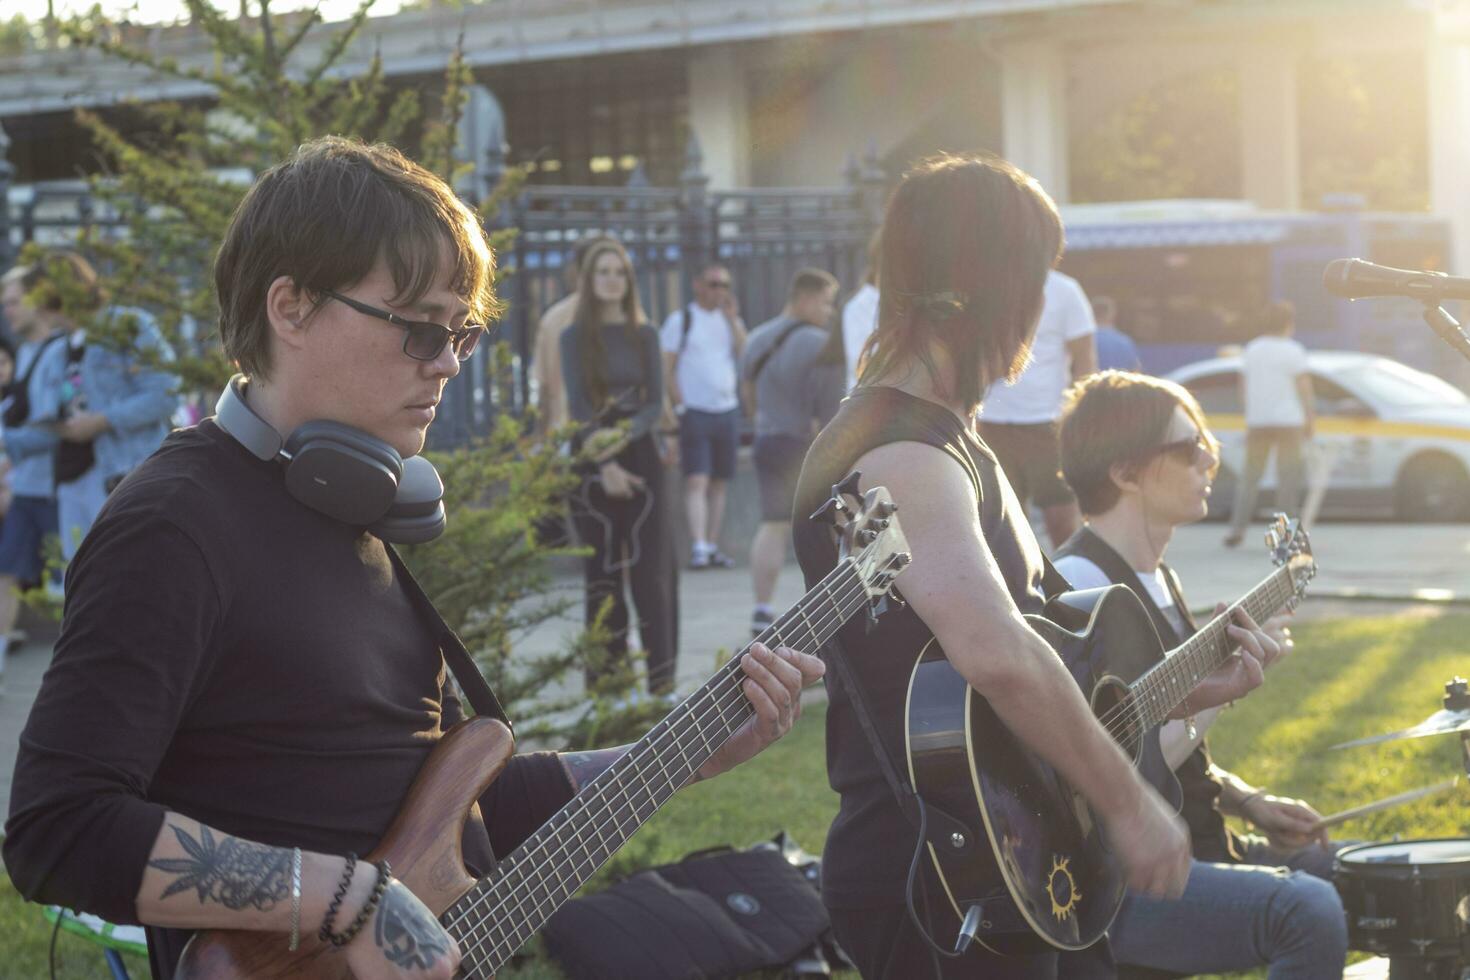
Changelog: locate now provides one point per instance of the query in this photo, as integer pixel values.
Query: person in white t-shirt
(1138, 454)
(1018, 420)
(1276, 391)
(702, 344)
(860, 314)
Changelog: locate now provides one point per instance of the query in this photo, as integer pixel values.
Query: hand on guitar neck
(1243, 672)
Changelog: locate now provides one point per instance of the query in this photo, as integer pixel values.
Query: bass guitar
(1021, 861)
(493, 917)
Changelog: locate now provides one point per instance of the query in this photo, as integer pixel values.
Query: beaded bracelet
(385, 875)
(325, 932)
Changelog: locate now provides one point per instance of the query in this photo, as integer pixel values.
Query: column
(719, 115)
(1270, 158)
(1034, 112)
(1449, 140)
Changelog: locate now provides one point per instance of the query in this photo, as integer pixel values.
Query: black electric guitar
(1021, 859)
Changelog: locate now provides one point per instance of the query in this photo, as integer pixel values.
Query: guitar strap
(456, 657)
(902, 791)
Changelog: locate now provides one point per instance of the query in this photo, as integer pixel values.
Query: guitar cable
(972, 914)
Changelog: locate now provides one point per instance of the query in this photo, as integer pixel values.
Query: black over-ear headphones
(343, 472)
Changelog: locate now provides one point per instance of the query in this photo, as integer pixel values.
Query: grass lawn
(1348, 678)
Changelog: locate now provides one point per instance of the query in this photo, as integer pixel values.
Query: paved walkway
(1388, 560)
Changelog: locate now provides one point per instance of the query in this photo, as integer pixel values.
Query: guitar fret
(500, 913)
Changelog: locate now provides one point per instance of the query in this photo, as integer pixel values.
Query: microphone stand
(1447, 327)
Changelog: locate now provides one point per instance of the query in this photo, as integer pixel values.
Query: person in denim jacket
(107, 398)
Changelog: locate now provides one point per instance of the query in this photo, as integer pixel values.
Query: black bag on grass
(714, 914)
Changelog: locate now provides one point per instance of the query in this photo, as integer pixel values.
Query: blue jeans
(1276, 909)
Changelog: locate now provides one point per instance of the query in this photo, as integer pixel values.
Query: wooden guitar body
(1029, 850)
(423, 845)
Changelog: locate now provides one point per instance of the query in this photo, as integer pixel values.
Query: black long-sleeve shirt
(232, 655)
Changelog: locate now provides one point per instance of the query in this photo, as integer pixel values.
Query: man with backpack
(702, 344)
(793, 372)
(32, 297)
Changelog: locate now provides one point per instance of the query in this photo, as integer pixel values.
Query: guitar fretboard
(1164, 687)
(496, 917)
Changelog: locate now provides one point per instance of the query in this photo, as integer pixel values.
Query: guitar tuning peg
(848, 486)
(887, 508)
(867, 536)
(828, 512)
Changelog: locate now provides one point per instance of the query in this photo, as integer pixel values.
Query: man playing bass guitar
(966, 246)
(247, 679)
(1136, 451)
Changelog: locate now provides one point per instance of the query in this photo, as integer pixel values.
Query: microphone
(1356, 279)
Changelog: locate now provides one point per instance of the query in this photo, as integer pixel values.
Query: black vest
(870, 843)
(1212, 840)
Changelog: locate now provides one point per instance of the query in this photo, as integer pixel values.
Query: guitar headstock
(1290, 546)
(867, 533)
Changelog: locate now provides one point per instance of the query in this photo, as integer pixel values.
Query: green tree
(489, 574)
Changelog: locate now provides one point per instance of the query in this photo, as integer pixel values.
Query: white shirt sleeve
(1077, 320)
(1083, 573)
(669, 334)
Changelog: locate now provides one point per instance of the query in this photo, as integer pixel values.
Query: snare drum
(1407, 899)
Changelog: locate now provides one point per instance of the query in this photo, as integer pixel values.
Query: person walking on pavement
(702, 344)
(1019, 418)
(792, 373)
(1276, 391)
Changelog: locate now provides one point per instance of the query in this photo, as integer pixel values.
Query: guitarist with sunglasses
(246, 685)
(1140, 458)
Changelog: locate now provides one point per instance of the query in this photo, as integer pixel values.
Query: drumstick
(1342, 816)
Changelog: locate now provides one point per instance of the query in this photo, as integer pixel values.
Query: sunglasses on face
(1191, 452)
(717, 283)
(423, 340)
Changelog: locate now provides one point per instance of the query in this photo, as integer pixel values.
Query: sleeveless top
(1211, 840)
(871, 843)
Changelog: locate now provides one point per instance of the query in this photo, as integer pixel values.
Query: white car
(1397, 440)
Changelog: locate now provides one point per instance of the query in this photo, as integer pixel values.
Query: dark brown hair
(56, 273)
(811, 280)
(325, 217)
(1117, 417)
(966, 246)
(587, 321)
(1277, 318)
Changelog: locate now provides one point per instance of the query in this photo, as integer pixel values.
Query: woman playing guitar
(1138, 455)
(966, 245)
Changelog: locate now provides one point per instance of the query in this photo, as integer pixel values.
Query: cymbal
(1452, 718)
(1442, 722)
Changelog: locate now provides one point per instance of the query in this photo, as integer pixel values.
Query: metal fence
(762, 235)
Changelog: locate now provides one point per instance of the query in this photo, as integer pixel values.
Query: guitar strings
(731, 699)
(1171, 672)
(717, 703)
(718, 698)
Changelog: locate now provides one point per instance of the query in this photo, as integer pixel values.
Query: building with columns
(783, 93)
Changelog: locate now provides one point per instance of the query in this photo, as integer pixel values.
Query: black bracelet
(385, 875)
(325, 932)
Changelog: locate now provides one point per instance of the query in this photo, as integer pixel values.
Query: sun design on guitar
(1061, 881)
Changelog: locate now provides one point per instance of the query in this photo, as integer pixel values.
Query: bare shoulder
(919, 476)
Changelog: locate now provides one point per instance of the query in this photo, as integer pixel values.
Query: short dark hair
(1116, 417)
(583, 246)
(811, 280)
(325, 217)
(56, 272)
(967, 243)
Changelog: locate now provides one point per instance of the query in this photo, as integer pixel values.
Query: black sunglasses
(423, 340)
(1190, 451)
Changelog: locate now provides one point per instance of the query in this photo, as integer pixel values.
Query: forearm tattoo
(235, 873)
(405, 932)
(583, 767)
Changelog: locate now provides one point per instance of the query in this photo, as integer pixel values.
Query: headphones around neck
(343, 472)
